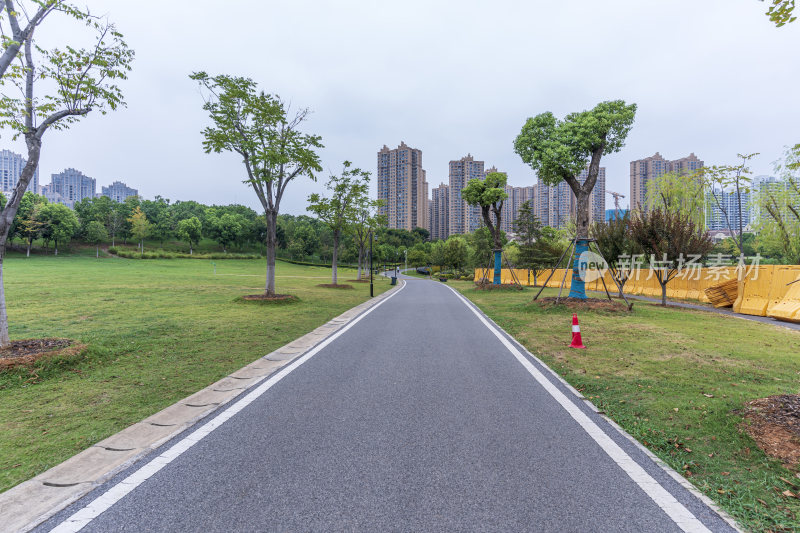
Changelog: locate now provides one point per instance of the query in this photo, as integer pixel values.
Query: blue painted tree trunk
(578, 288)
(497, 266)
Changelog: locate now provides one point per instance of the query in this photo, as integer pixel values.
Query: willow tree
(45, 90)
(489, 194)
(259, 127)
(560, 150)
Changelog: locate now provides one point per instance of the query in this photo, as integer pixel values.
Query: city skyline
(723, 40)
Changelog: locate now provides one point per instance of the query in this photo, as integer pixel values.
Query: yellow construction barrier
(789, 307)
(764, 291)
(755, 296)
(782, 276)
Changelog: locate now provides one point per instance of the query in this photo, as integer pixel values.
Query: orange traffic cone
(577, 342)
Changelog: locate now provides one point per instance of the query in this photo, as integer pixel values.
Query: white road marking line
(83, 517)
(676, 511)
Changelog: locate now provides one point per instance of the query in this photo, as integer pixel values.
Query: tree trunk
(55, 247)
(272, 241)
(190, 248)
(28, 251)
(360, 259)
(112, 241)
(97, 252)
(335, 258)
(3, 316)
(663, 294)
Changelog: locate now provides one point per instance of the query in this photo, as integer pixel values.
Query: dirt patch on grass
(774, 423)
(358, 280)
(266, 298)
(502, 287)
(589, 304)
(335, 286)
(28, 351)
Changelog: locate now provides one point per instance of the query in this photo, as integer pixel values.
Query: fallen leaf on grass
(789, 494)
(675, 409)
(708, 395)
(792, 483)
(725, 473)
(762, 502)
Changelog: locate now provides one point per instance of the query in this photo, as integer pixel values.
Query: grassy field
(157, 331)
(675, 379)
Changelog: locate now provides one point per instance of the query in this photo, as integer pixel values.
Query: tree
(140, 227)
(191, 231)
(439, 253)
(366, 221)
(781, 12)
(225, 229)
(338, 212)
(561, 149)
(28, 223)
(489, 193)
(668, 239)
(117, 220)
(678, 193)
(83, 79)
(616, 244)
(779, 209)
(256, 126)
(456, 252)
(483, 245)
(95, 234)
(59, 224)
(722, 181)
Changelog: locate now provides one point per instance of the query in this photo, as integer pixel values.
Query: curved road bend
(419, 417)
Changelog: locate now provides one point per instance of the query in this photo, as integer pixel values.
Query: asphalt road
(417, 418)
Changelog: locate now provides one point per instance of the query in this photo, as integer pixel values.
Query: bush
(161, 254)
(113, 250)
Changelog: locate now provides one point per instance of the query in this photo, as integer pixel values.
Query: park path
(419, 416)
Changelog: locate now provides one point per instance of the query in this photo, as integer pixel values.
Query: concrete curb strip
(32, 502)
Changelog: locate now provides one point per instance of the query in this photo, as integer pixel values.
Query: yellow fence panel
(755, 295)
(789, 306)
(781, 279)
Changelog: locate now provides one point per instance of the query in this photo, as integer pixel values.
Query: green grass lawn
(653, 371)
(157, 331)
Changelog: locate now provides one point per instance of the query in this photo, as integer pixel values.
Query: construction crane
(616, 196)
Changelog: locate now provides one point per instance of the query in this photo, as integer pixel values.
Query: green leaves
(78, 80)
(781, 12)
(560, 149)
(349, 191)
(258, 127)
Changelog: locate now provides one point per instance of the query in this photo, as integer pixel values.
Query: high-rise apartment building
(439, 213)
(402, 185)
(516, 197)
(727, 203)
(462, 217)
(11, 165)
(645, 170)
(118, 191)
(557, 205)
(71, 186)
(770, 187)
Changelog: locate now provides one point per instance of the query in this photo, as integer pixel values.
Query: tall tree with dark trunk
(258, 127)
(559, 150)
(56, 88)
(340, 210)
(489, 193)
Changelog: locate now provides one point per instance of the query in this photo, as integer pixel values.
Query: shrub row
(161, 254)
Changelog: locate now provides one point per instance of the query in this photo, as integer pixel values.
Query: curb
(30, 503)
(728, 519)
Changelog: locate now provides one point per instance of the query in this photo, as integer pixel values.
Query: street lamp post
(406, 254)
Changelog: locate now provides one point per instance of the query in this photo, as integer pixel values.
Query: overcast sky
(713, 77)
